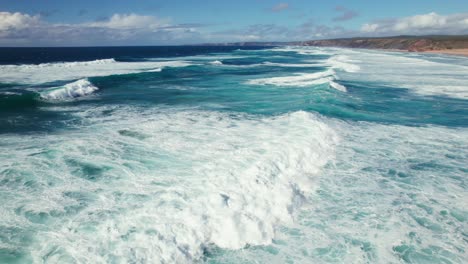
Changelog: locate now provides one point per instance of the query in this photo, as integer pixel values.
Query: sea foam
(166, 186)
(69, 91)
(302, 80)
(422, 74)
(62, 71)
(216, 62)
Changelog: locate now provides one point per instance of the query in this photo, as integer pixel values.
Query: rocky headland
(436, 44)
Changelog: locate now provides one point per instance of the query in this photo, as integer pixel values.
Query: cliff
(408, 43)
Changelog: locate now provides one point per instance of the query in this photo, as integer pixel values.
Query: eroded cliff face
(398, 43)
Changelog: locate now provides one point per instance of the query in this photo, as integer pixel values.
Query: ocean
(232, 155)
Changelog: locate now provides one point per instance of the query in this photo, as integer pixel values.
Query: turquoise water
(232, 155)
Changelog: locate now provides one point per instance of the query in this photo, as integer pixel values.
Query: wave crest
(302, 80)
(216, 62)
(69, 91)
(67, 64)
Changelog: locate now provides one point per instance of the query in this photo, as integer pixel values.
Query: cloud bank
(431, 23)
(16, 21)
(23, 29)
(424, 24)
(18, 29)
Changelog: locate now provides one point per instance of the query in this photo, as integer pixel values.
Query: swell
(66, 71)
(70, 54)
(18, 101)
(69, 91)
(26, 99)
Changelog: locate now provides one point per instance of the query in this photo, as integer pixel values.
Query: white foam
(216, 62)
(299, 80)
(338, 86)
(336, 61)
(304, 50)
(389, 186)
(344, 63)
(294, 65)
(69, 91)
(272, 64)
(10, 93)
(169, 183)
(374, 198)
(71, 64)
(155, 70)
(422, 74)
(200, 58)
(49, 72)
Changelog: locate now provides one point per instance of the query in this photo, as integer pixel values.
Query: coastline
(451, 45)
(454, 52)
(458, 52)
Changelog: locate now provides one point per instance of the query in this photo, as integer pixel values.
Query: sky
(175, 22)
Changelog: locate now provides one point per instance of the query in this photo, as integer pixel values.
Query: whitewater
(235, 155)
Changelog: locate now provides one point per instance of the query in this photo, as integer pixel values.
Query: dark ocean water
(232, 155)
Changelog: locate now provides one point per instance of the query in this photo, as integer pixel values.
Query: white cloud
(131, 21)
(431, 23)
(431, 20)
(369, 28)
(12, 21)
(18, 29)
(274, 32)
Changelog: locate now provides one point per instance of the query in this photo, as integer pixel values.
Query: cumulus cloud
(119, 29)
(345, 14)
(19, 29)
(369, 28)
(431, 23)
(14, 21)
(272, 32)
(130, 21)
(280, 7)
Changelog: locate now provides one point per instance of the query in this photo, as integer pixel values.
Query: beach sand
(463, 52)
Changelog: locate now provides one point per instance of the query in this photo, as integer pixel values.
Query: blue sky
(152, 22)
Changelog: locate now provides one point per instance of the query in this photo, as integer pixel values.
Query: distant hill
(437, 44)
(408, 43)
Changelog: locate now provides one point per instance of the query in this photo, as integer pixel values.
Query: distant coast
(446, 44)
(456, 45)
(463, 52)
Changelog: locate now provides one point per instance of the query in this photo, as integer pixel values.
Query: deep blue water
(72, 54)
(232, 155)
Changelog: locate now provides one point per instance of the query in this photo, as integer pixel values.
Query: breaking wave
(63, 71)
(216, 62)
(302, 80)
(69, 91)
(168, 186)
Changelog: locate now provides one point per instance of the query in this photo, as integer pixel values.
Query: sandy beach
(462, 52)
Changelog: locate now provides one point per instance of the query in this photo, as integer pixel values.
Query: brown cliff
(406, 43)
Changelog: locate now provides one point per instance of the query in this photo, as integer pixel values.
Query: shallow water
(232, 155)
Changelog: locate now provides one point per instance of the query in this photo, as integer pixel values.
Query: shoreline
(458, 52)
(453, 52)
(451, 45)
